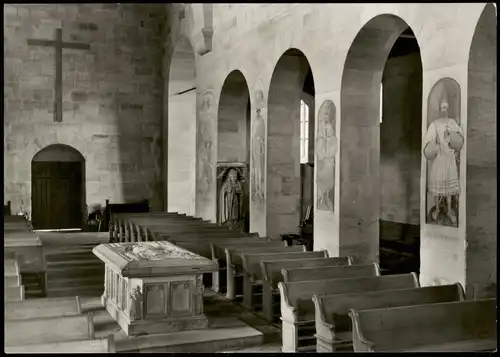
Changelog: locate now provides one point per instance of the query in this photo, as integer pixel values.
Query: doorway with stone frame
(58, 189)
(290, 144)
(380, 138)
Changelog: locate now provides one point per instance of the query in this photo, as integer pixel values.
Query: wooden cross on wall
(58, 44)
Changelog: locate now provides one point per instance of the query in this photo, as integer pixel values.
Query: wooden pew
(234, 263)
(334, 328)
(112, 208)
(252, 271)
(297, 307)
(460, 326)
(218, 250)
(105, 345)
(337, 272)
(49, 330)
(317, 269)
(41, 308)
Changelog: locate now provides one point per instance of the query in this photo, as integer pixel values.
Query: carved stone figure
(326, 149)
(231, 201)
(442, 144)
(155, 251)
(258, 157)
(135, 310)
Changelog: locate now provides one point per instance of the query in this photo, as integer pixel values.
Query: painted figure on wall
(442, 144)
(258, 150)
(231, 201)
(205, 137)
(326, 149)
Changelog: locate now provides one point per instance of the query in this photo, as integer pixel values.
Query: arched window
(304, 132)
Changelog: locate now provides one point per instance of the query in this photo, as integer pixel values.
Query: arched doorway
(180, 129)
(233, 153)
(290, 144)
(481, 198)
(380, 136)
(58, 188)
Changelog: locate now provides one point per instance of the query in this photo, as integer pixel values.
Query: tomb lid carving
(147, 259)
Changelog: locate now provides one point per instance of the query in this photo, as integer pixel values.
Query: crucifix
(58, 44)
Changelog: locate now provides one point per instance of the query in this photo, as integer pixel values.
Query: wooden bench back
(251, 261)
(272, 270)
(105, 345)
(407, 327)
(6, 209)
(296, 298)
(41, 308)
(333, 272)
(49, 330)
(334, 309)
(219, 248)
(237, 252)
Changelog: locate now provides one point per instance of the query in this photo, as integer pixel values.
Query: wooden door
(57, 191)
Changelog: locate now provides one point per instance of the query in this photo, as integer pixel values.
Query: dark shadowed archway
(233, 153)
(58, 188)
(180, 131)
(290, 143)
(361, 188)
(481, 198)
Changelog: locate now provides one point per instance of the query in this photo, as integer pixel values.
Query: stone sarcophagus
(154, 287)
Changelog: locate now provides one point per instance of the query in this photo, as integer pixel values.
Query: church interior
(250, 178)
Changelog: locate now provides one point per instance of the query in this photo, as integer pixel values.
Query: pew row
(106, 345)
(49, 330)
(42, 308)
(252, 271)
(460, 326)
(297, 307)
(272, 275)
(218, 249)
(333, 325)
(234, 263)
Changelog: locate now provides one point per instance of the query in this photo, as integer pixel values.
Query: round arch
(289, 187)
(58, 188)
(233, 150)
(359, 139)
(179, 128)
(481, 141)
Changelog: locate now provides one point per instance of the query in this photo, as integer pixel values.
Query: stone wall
(111, 96)
(400, 140)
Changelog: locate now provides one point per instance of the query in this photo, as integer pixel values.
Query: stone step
(209, 340)
(70, 282)
(74, 256)
(75, 272)
(90, 291)
(86, 261)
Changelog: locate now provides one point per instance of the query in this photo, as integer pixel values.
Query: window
(304, 133)
(381, 101)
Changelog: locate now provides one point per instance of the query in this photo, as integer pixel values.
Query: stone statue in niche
(258, 151)
(326, 149)
(442, 144)
(231, 201)
(135, 310)
(205, 137)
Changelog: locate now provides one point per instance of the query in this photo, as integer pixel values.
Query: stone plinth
(154, 287)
